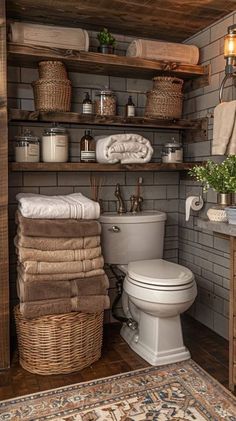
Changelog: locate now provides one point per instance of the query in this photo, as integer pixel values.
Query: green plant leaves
(105, 38)
(219, 177)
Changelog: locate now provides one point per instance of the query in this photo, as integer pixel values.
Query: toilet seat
(159, 274)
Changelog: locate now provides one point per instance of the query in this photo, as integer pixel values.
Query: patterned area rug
(177, 392)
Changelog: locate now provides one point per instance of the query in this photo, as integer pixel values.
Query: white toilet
(155, 291)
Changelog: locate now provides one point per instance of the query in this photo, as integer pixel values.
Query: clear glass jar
(105, 103)
(172, 152)
(55, 144)
(27, 148)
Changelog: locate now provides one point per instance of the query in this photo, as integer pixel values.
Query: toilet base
(157, 340)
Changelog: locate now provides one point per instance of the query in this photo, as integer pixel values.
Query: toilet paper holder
(193, 202)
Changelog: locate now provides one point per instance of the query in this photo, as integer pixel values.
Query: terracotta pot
(106, 49)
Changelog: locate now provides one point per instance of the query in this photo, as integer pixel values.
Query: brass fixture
(230, 56)
(121, 205)
(136, 200)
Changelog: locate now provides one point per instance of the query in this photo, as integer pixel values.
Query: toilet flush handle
(114, 228)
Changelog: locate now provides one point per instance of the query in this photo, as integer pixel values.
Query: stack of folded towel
(60, 265)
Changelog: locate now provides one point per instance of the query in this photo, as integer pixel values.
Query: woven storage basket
(58, 344)
(52, 70)
(52, 95)
(166, 99)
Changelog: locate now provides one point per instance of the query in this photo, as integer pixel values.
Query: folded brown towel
(25, 254)
(47, 244)
(65, 228)
(44, 290)
(28, 277)
(85, 304)
(47, 268)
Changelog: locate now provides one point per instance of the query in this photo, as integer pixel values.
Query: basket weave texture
(59, 344)
(52, 95)
(52, 70)
(165, 100)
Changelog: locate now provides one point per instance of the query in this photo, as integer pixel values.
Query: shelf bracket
(200, 134)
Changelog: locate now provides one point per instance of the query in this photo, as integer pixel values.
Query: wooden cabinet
(232, 317)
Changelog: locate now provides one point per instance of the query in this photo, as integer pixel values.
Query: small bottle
(130, 108)
(87, 148)
(87, 104)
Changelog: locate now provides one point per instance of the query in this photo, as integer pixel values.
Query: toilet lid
(159, 272)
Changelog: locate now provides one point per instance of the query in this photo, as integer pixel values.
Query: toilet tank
(131, 237)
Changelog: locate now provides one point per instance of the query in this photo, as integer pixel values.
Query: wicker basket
(52, 70)
(52, 95)
(59, 344)
(166, 99)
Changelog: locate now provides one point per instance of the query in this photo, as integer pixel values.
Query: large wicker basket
(58, 344)
(166, 99)
(52, 95)
(52, 70)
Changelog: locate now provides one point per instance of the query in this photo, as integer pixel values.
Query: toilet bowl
(155, 291)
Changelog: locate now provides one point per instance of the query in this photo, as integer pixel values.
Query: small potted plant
(222, 179)
(107, 42)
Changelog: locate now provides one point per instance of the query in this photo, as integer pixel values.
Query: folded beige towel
(62, 228)
(224, 129)
(28, 277)
(47, 290)
(47, 268)
(85, 304)
(25, 254)
(47, 244)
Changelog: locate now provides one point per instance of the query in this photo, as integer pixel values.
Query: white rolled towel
(71, 206)
(49, 36)
(126, 148)
(162, 50)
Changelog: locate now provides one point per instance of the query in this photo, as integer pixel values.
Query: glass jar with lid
(105, 103)
(55, 144)
(27, 148)
(172, 152)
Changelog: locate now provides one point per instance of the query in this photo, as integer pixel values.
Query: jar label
(87, 108)
(88, 156)
(33, 150)
(61, 141)
(130, 111)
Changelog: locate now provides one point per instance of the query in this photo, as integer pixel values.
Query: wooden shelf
(76, 118)
(79, 166)
(96, 63)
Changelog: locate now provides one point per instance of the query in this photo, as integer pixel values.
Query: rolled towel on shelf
(62, 228)
(25, 254)
(31, 277)
(126, 148)
(164, 51)
(47, 290)
(47, 268)
(85, 304)
(48, 244)
(49, 35)
(71, 206)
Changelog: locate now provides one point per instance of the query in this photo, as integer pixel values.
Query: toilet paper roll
(193, 202)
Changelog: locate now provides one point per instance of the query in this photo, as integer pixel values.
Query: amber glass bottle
(87, 148)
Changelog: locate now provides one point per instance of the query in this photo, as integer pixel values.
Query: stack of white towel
(129, 148)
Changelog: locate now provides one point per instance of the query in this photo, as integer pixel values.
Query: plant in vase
(222, 179)
(107, 42)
